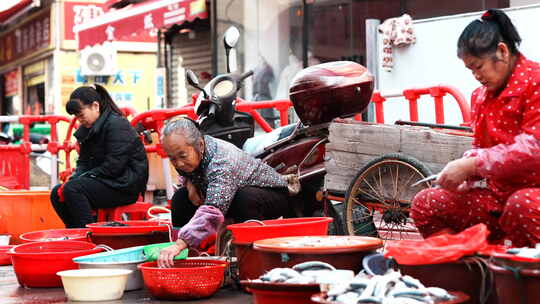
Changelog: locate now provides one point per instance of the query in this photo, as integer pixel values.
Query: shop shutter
(196, 54)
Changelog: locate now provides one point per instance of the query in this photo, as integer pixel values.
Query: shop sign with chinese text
(26, 39)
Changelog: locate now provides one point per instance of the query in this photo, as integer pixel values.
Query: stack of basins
(244, 234)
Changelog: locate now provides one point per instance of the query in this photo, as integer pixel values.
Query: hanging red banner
(11, 82)
(141, 21)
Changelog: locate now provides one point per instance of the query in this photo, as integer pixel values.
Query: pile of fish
(329, 241)
(342, 287)
(391, 288)
(303, 273)
(526, 251)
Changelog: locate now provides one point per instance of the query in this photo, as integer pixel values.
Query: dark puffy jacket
(111, 152)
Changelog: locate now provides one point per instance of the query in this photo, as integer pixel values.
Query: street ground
(12, 293)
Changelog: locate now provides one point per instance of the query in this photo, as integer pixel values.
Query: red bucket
(249, 232)
(75, 234)
(136, 233)
(37, 263)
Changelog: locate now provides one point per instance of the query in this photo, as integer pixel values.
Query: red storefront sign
(26, 39)
(141, 21)
(77, 13)
(11, 83)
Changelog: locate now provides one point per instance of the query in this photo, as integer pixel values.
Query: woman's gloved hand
(166, 255)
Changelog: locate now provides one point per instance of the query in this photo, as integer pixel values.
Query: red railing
(412, 95)
(15, 159)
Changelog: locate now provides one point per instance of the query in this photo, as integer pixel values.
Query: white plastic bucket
(94, 284)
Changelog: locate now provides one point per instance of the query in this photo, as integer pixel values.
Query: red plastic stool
(135, 211)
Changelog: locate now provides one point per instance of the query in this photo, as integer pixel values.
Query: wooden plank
(336, 183)
(364, 138)
(352, 146)
(432, 146)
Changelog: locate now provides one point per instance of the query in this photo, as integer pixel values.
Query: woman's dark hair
(481, 37)
(85, 96)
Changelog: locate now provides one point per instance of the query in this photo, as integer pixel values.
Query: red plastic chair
(135, 211)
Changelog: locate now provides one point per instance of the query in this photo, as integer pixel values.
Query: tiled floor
(11, 293)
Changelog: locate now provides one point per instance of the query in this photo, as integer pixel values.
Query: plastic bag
(438, 249)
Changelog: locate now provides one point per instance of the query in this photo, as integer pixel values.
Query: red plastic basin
(37, 263)
(516, 284)
(131, 228)
(136, 233)
(270, 293)
(5, 259)
(246, 233)
(74, 234)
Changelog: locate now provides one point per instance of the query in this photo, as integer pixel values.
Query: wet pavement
(11, 293)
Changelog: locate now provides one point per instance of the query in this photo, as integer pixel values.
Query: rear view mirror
(192, 79)
(231, 37)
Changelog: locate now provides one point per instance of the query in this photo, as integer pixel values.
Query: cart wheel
(378, 200)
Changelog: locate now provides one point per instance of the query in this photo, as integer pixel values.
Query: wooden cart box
(353, 144)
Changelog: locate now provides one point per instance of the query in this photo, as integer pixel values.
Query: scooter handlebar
(246, 75)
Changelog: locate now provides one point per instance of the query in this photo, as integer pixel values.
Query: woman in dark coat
(112, 169)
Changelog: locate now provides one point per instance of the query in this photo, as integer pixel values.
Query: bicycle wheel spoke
(380, 197)
(370, 196)
(381, 188)
(406, 186)
(395, 180)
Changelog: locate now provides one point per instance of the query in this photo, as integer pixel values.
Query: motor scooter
(319, 94)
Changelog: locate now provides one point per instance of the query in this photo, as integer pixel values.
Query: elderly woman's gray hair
(185, 127)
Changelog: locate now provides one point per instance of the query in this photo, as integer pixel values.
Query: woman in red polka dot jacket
(506, 153)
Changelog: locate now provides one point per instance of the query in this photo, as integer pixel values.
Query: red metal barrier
(282, 105)
(15, 159)
(412, 95)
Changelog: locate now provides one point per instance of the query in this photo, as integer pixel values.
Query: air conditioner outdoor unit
(98, 60)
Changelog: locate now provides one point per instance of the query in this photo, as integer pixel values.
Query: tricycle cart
(371, 167)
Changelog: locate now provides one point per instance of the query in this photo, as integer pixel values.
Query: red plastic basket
(5, 259)
(249, 232)
(37, 263)
(74, 234)
(188, 279)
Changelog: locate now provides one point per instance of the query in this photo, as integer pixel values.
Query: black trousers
(249, 203)
(84, 194)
